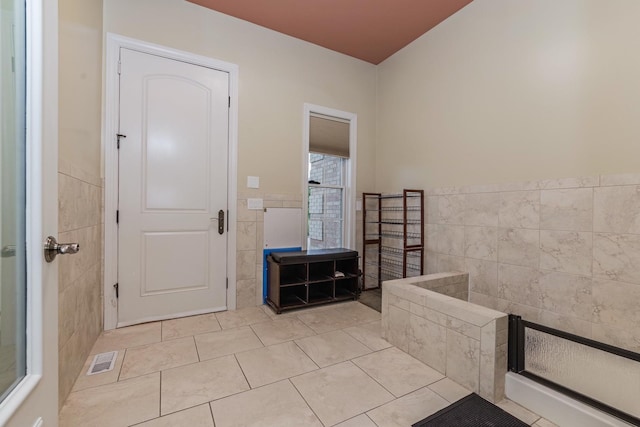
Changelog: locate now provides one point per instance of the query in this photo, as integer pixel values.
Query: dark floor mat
(471, 411)
(372, 298)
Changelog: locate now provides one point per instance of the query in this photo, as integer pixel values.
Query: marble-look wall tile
(397, 331)
(78, 203)
(624, 338)
(483, 276)
(617, 257)
(70, 268)
(451, 240)
(519, 246)
(431, 237)
(246, 236)
(566, 294)
(463, 360)
(519, 284)
(481, 243)
(620, 179)
(566, 251)
(482, 209)
(579, 182)
(448, 263)
(246, 265)
(616, 304)
(246, 293)
(519, 209)
(451, 209)
(565, 323)
(428, 342)
(243, 213)
(432, 215)
(431, 262)
(491, 368)
(617, 209)
(570, 209)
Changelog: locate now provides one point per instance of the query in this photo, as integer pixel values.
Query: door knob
(52, 248)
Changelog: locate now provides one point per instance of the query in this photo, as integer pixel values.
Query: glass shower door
(12, 196)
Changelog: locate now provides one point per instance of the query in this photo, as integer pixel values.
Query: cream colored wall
(513, 90)
(79, 185)
(278, 74)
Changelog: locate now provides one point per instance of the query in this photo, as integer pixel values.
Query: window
(329, 165)
(326, 201)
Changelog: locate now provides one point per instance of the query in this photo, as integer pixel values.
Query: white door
(29, 205)
(173, 161)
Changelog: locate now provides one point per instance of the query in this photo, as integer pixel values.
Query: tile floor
(325, 366)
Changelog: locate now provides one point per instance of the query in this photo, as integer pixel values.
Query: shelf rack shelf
(393, 236)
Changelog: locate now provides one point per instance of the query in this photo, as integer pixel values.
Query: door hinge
(120, 136)
(227, 283)
(116, 287)
(118, 217)
(229, 102)
(119, 67)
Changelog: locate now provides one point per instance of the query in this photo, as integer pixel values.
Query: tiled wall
(250, 243)
(80, 275)
(564, 253)
(466, 342)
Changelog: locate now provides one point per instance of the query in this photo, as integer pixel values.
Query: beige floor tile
(187, 326)
(340, 392)
(158, 357)
(369, 335)
(274, 405)
(322, 321)
(274, 363)
(87, 381)
(222, 343)
(281, 330)
(397, 371)
(450, 390)
(542, 422)
(408, 409)
(200, 416)
(131, 336)
(518, 411)
(358, 313)
(359, 421)
(242, 317)
(114, 405)
(332, 347)
(199, 383)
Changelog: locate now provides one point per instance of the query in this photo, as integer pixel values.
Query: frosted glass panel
(602, 376)
(13, 281)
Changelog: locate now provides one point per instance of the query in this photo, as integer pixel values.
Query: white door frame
(349, 223)
(109, 148)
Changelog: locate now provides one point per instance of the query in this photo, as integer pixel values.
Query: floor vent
(103, 362)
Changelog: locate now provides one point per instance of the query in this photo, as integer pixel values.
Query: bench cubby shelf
(307, 278)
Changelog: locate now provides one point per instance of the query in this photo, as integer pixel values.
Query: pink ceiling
(371, 30)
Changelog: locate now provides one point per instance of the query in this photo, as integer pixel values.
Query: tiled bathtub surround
(464, 341)
(564, 253)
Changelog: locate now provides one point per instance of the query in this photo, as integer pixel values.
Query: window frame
(349, 185)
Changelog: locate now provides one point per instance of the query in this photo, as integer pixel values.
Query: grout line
(243, 374)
